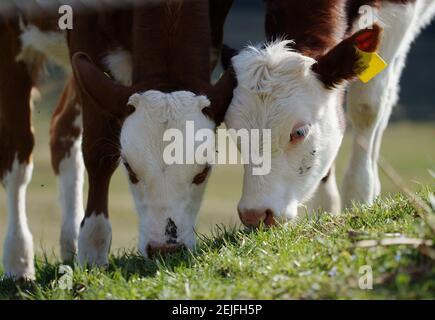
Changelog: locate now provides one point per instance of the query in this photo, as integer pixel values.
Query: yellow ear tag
(373, 63)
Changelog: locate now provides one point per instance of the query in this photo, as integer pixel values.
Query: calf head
(299, 99)
(167, 196)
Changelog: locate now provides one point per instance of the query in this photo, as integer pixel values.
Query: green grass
(313, 259)
(310, 259)
(409, 147)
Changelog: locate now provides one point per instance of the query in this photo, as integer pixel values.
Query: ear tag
(373, 64)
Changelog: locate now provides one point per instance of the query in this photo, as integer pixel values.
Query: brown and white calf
(158, 59)
(294, 85)
(26, 43)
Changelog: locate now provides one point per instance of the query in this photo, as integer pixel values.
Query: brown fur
(352, 9)
(318, 28)
(171, 45)
(315, 25)
(219, 9)
(63, 133)
(201, 177)
(342, 62)
(16, 82)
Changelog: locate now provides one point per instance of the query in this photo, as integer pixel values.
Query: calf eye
(131, 174)
(300, 133)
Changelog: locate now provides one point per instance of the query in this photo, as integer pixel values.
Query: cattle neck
(315, 26)
(171, 43)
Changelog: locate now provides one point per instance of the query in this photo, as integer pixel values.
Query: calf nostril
(270, 218)
(253, 218)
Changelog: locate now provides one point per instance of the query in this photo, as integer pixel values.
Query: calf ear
(343, 62)
(227, 54)
(104, 92)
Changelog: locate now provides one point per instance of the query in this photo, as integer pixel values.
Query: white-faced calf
(137, 72)
(295, 85)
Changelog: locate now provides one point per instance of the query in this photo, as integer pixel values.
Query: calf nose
(155, 249)
(253, 218)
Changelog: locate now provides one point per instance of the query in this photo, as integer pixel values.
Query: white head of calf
(299, 99)
(167, 196)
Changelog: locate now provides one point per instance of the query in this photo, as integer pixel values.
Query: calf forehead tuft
(169, 106)
(262, 69)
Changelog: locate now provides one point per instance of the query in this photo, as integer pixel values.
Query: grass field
(410, 148)
(311, 259)
(283, 263)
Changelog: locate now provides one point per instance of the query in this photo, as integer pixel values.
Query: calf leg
(95, 235)
(18, 246)
(101, 155)
(67, 162)
(16, 146)
(423, 13)
(370, 105)
(392, 99)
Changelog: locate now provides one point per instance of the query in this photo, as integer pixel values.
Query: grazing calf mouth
(154, 249)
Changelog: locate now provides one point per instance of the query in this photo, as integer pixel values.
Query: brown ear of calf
(105, 93)
(342, 62)
(221, 95)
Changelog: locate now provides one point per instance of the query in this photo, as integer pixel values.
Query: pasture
(410, 148)
(290, 262)
(384, 250)
(315, 259)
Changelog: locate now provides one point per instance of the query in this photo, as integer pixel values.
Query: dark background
(245, 25)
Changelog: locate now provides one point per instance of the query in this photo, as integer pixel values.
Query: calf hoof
(18, 258)
(95, 238)
(68, 248)
(69, 242)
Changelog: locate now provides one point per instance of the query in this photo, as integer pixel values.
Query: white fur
(326, 197)
(278, 90)
(51, 44)
(370, 105)
(119, 62)
(18, 246)
(95, 238)
(71, 171)
(163, 192)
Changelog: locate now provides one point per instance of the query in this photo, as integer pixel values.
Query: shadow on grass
(18, 289)
(133, 264)
(128, 263)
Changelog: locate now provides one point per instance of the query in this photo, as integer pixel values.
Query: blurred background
(409, 145)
